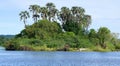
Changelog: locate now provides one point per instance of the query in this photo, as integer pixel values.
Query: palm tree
(35, 9)
(83, 20)
(64, 15)
(52, 11)
(54, 14)
(44, 12)
(50, 6)
(74, 10)
(86, 21)
(23, 16)
(78, 13)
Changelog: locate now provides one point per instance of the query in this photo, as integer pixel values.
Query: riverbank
(44, 48)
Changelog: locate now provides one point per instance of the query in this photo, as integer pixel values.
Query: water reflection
(27, 58)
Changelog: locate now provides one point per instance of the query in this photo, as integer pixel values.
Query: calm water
(29, 58)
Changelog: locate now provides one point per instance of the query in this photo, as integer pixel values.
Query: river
(32, 58)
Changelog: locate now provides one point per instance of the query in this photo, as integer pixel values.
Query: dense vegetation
(4, 38)
(64, 29)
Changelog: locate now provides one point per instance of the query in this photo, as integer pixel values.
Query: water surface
(31, 58)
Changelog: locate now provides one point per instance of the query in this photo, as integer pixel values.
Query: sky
(105, 13)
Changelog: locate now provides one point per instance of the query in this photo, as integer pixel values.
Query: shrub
(12, 45)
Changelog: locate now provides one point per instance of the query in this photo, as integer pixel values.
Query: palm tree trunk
(24, 23)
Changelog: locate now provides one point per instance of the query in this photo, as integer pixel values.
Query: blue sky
(103, 12)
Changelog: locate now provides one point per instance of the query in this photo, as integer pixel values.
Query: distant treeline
(7, 36)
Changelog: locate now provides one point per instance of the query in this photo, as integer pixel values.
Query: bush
(12, 45)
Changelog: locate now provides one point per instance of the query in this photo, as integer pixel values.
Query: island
(65, 29)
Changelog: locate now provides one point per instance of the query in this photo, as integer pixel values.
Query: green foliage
(72, 27)
(43, 29)
(67, 35)
(92, 33)
(12, 45)
(103, 35)
(93, 37)
(83, 43)
(110, 46)
(3, 39)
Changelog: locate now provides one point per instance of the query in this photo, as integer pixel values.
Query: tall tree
(86, 21)
(64, 15)
(44, 13)
(52, 11)
(35, 9)
(93, 36)
(92, 33)
(103, 36)
(83, 20)
(78, 13)
(23, 16)
(54, 14)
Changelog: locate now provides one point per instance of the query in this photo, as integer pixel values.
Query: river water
(31, 58)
